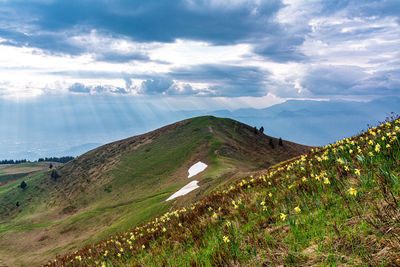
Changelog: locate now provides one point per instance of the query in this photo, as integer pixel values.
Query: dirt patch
(69, 210)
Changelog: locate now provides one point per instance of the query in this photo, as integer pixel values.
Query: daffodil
(297, 209)
(226, 239)
(326, 181)
(377, 148)
(283, 216)
(357, 172)
(352, 191)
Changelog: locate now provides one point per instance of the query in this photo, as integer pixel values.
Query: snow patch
(197, 168)
(184, 190)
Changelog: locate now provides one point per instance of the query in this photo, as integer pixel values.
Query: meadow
(335, 205)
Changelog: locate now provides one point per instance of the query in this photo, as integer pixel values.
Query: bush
(271, 143)
(23, 185)
(54, 175)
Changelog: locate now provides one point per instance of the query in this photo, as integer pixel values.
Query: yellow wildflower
(297, 209)
(283, 216)
(357, 172)
(226, 239)
(326, 181)
(371, 142)
(352, 191)
(377, 148)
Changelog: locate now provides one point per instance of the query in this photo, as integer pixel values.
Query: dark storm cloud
(226, 80)
(143, 21)
(66, 27)
(348, 80)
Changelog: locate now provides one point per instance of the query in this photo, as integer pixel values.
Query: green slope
(339, 205)
(117, 186)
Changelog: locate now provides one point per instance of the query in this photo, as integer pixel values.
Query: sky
(194, 54)
(250, 52)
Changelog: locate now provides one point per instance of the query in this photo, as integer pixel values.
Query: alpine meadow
(199, 133)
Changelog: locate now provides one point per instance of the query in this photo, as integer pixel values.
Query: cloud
(218, 22)
(283, 48)
(79, 88)
(168, 87)
(156, 85)
(98, 89)
(348, 80)
(225, 80)
(120, 57)
(214, 48)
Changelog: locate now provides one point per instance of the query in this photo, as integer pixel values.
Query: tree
(271, 143)
(54, 175)
(255, 130)
(262, 129)
(51, 166)
(23, 185)
(280, 141)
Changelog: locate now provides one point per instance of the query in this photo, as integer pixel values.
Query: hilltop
(336, 205)
(119, 185)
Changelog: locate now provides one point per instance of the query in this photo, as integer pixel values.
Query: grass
(337, 205)
(123, 184)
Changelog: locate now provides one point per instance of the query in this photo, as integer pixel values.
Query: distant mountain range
(73, 129)
(316, 122)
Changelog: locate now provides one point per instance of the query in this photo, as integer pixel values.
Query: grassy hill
(337, 205)
(119, 185)
(10, 173)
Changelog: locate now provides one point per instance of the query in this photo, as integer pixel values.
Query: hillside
(337, 205)
(116, 186)
(11, 173)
